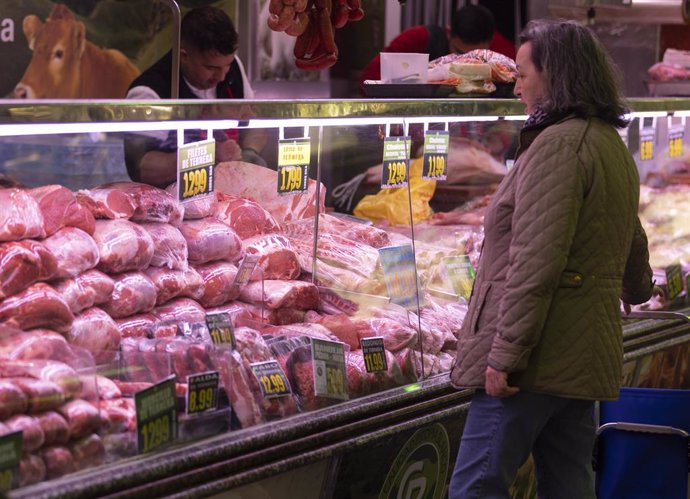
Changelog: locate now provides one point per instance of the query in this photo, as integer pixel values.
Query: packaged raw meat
(20, 216)
(209, 239)
(55, 428)
(119, 445)
(91, 288)
(175, 283)
(199, 356)
(12, 400)
(118, 415)
(219, 283)
(58, 461)
(97, 387)
(49, 370)
(246, 180)
(341, 326)
(151, 204)
(246, 217)
(277, 259)
(137, 326)
(195, 208)
(60, 208)
(42, 395)
(340, 252)
(134, 293)
(281, 294)
(170, 247)
(31, 470)
(32, 434)
(122, 246)
(75, 250)
(82, 418)
(106, 203)
(396, 336)
(88, 452)
(37, 306)
(301, 330)
(348, 228)
(180, 310)
(236, 384)
(95, 331)
(36, 344)
(239, 313)
(155, 361)
(23, 263)
(176, 348)
(133, 361)
(300, 372)
(380, 381)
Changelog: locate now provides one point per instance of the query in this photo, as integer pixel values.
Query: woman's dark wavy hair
(578, 73)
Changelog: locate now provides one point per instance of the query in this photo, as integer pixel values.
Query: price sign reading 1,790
(294, 156)
(272, 380)
(195, 169)
(396, 162)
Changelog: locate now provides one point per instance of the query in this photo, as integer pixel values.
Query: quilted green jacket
(562, 244)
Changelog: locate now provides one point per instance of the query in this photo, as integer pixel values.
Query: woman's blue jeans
(500, 433)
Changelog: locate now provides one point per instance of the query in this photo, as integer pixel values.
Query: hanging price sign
(435, 155)
(10, 455)
(220, 329)
(460, 273)
(400, 274)
(396, 162)
(374, 354)
(674, 280)
(244, 271)
(202, 392)
(294, 156)
(675, 141)
(646, 144)
(623, 132)
(330, 375)
(271, 378)
(195, 169)
(156, 415)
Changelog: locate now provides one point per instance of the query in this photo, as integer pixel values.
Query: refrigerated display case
(385, 439)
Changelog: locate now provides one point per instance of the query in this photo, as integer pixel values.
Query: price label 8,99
(330, 376)
(195, 169)
(435, 155)
(374, 354)
(271, 378)
(156, 415)
(674, 280)
(294, 156)
(220, 329)
(202, 392)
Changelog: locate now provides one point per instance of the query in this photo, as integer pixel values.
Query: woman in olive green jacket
(563, 245)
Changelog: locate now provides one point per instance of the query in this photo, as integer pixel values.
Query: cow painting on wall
(65, 65)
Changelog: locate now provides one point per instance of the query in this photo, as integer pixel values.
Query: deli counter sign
(195, 169)
(294, 156)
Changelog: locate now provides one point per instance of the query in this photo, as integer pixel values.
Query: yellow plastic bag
(393, 205)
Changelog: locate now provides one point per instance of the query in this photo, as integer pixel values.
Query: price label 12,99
(294, 156)
(202, 392)
(271, 378)
(435, 155)
(396, 162)
(374, 354)
(156, 409)
(330, 375)
(195, 169)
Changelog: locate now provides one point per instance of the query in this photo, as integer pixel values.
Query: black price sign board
(220, 329)
(10, 455)
(374, 354)
(675, 141)
(195, 169)
(674, 280)
(646, 144)
(271, 378)
(396, 162)
(435, 165)
(294, 156)
(156, 416)
(330, 375)
(244, 271)
(202, 392)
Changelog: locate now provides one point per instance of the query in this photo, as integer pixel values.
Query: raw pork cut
(32, 434)
(36, 344)
(60, 208)
(88, 452)
(97, 332)
(180, 310)
(239, 314)
(175, 283)
(277, 259)
(37, 306)
(42, 395)
(396, 336)
(341, 326)
(90, 288)
(137, 326)
(133, 293)
(281, 294)
(106, 203)
(219, 283)
(122, 246)
(209, 239)
(380, 381)
(12, 400)
(95, 387)
(20, 216)
(58, 461)
(258, 183)
(31, 470)
(195, 208)
(151, 204)
(170, 247)
(237, 386)
(81, 416)
(75, 250)
(246, 217)
(49, 370)
(55, 428)
(340, 252)
(23, 263)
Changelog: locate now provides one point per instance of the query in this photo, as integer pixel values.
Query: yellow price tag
(675, 143)
(291, 179)
(437, 166)
(334, 381)
(155, 433)
(194, 182)
(271, 378)
(220, 329)
(395, 174)
(6, 480)
(221, 336)
(202, 391)
(674, 280)
(374, 354)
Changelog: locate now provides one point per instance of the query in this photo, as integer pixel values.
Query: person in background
(209, 69)
(563, 245)
(472, 27)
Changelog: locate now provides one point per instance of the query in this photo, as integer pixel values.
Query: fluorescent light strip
(681, 114)
(9, 130)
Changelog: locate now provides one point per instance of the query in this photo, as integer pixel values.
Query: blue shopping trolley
(643, 445)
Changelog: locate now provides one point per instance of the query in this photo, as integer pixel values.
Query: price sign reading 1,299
(435, 155)
(294, 156)
(156, 415)
(195, 169)
(272, 380)
(396, 162)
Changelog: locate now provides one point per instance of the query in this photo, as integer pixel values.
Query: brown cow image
(65, 65)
